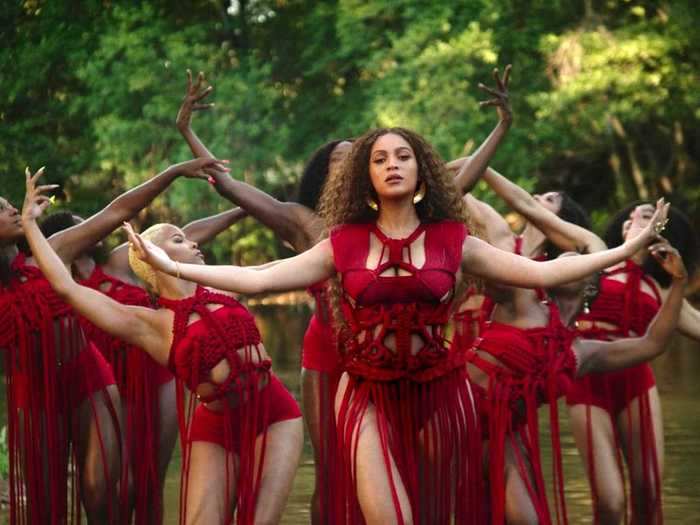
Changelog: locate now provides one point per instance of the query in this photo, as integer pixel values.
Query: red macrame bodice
(623, 304)
(120, 291)
(529, 355)
(218, 334)
(378, 306)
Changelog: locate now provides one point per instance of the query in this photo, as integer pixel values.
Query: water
(677, 374)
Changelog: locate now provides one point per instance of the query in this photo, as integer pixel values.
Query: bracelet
(177, 269)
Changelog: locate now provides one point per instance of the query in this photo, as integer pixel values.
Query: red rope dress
(252, 398)
(524, 369)
(139, 378)
(51, 370)
(626, 307)
(422, 400)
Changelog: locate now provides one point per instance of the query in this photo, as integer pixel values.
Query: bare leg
(643, 494)
(314, 384)
(519, 507)
(283, 446)
(168, 428)
(99, 456)
(373, 483)
(206, 500)
(608, 482)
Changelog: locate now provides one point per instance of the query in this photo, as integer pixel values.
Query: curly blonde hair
(142, 269)
(345, 194)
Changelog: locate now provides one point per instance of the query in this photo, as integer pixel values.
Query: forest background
(605, 95)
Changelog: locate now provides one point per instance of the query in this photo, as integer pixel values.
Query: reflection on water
(677, 374)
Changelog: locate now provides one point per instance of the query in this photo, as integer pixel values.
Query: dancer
(242, 444)
(298, 225)
(60, 391)
(405, 418)
(147, 389)
(622, 409)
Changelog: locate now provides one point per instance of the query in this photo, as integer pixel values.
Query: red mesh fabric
(624, 306)
(139, 378)
(44, 348)
(227, 332)
(422, 400)
(526, 368)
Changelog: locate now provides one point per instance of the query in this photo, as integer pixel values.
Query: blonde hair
(142, 269)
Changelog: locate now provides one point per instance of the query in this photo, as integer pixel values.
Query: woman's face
(550, 200)
(393, 169)
(10, 222)
(338, 155)
(638, 220)
(175, 243)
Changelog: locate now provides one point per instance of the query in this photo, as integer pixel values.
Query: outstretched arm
(310, 267)
(483, 260)
(470, 171)
(204, 230)
(290, 221)
(602, 356)
(567, 236)
(141, 327)
(70, 243)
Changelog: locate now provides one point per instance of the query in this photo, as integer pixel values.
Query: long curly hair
(345, 195)
(315, 174)
(344, 198)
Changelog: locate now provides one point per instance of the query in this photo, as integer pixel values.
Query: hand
(192, 101)
(655, 226)
(500, 95)
(149, 252)
(35, 200)
(669, 259)
(201, 168)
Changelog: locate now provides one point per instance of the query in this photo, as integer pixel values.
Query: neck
(533, 241)
(9, 251)
(569, 304)
(170, 287)
(398, 218)
(84, 266)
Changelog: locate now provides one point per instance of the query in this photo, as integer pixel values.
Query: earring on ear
(420, 193)
(586, 307)
(372, 203)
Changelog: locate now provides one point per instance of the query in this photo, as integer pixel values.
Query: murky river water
(677, 373)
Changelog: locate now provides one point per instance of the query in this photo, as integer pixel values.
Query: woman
(242, 444)
(404, 410)
(622, 409)
(147, 389)
(60, 390)
(298, 225)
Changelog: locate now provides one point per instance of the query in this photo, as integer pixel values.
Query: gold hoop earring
(372, 203)
(420, 193)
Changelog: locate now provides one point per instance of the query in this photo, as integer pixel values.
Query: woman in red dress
(298, 225)
(147, 389)
(242, 443)
(622, 410)
(406, 423)
(60, 390)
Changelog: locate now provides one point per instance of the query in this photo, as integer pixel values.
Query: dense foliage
(605, 93)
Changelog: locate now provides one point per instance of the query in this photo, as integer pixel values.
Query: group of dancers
(437, 335)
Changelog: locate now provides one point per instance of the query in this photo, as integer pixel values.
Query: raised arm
(603, 356)
(297, 272)
(567, 236)
(470, 171)
(204, 230)
(141, 327)
(71, 242)
(483, 260)
(292, 222)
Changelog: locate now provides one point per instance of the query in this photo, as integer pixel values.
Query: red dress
(626, 307)
(525, 368)
(51, 369)
(422, 399)
(252, 398)
(139, 379)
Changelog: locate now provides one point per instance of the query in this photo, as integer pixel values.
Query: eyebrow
(400, 148)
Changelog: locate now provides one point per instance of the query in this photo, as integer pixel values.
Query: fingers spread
(506, 76)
